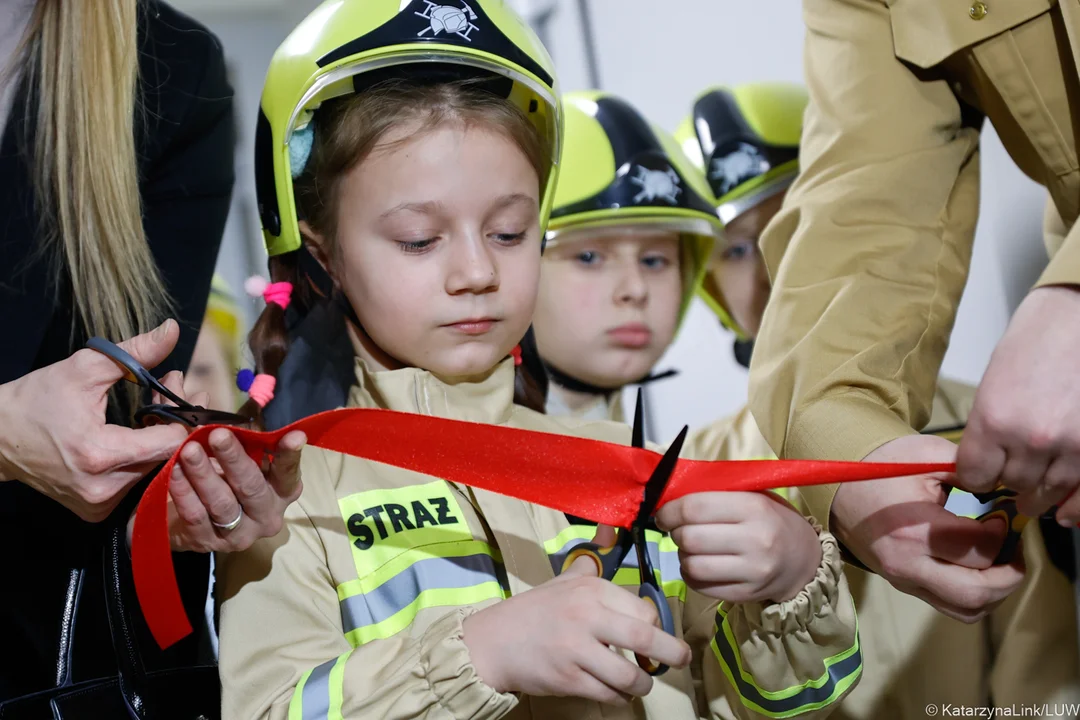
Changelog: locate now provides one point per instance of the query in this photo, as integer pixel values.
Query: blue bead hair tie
(244, 378)
(300, 149)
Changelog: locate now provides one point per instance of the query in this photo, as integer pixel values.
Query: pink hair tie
(262, 389)
(279, 293)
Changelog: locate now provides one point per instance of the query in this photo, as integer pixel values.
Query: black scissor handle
(652, 593)
(191, 416)
(134, 372)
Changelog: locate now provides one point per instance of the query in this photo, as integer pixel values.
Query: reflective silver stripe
(666, 562)
(670, 568)
(399, 591)
(316, 694)
(811, 696)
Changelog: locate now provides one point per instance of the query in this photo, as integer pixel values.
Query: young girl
(433, 132)
(631, 231)
(1025, 652)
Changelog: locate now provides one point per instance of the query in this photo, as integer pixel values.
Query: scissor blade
(654, 489)
(638, 438)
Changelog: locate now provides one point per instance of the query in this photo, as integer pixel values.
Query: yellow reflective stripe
(337, 688)
(430, 598)
(664, 542)
(574, 532)
(402, 562)
(662, 550)
(841, 672)
(296, 704)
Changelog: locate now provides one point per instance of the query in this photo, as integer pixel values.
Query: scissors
(1003, 505)
(608, 559)
(182, 412)
(1002, 502)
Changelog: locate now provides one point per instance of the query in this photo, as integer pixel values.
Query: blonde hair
(83, 66)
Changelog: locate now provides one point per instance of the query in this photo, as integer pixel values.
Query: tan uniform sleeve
(1063, 246)
(870, 254)
(796, 658)
(284, 652)
(731, 438)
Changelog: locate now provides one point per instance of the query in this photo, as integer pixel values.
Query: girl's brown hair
(346, 131)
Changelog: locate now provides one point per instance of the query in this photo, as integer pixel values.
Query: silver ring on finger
(230, 525)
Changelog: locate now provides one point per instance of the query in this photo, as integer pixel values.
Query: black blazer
(186, 149)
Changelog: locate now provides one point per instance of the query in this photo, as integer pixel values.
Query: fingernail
(160, 331)
(192, 452)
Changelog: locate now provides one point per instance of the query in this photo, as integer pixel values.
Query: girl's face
(438, 249)
(609, 303)
(738, 268)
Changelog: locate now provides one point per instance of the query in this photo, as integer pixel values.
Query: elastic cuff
(819, 595)
(446, 665)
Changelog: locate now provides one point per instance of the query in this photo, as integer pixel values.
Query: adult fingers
(980, 458)
(138, 450)
(241, 472)
(963, 541)
(216, 495)
(284, 474)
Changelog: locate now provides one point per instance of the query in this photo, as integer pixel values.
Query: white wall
(659, 55)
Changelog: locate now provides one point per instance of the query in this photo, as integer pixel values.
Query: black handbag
(186, 693)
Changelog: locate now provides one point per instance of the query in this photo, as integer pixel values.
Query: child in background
(631, 231)
(217, 351)
(747, 139)
(412, 148)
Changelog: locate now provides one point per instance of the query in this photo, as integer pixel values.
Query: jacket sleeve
(732, 438)
(870, 254)
(284, 654)
(797, 658)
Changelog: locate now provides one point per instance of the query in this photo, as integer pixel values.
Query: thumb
(151, 348)
(605, 536)
(583, 566)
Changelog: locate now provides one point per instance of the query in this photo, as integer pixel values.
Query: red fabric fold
(596, 480)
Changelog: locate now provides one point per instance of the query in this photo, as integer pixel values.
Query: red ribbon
(596, 480)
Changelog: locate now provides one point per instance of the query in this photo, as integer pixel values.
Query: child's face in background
(738, 268)
(609, 303)
(210, 371)
(438, 239)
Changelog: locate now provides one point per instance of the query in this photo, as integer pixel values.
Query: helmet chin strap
(342, 302)
(743, 349)
(573, 384)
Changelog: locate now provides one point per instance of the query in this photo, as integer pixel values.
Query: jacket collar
(486, 398)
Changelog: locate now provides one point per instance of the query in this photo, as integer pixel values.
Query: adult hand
(54, 438)
(899, 528)
(208, 494)
(1024, 428)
